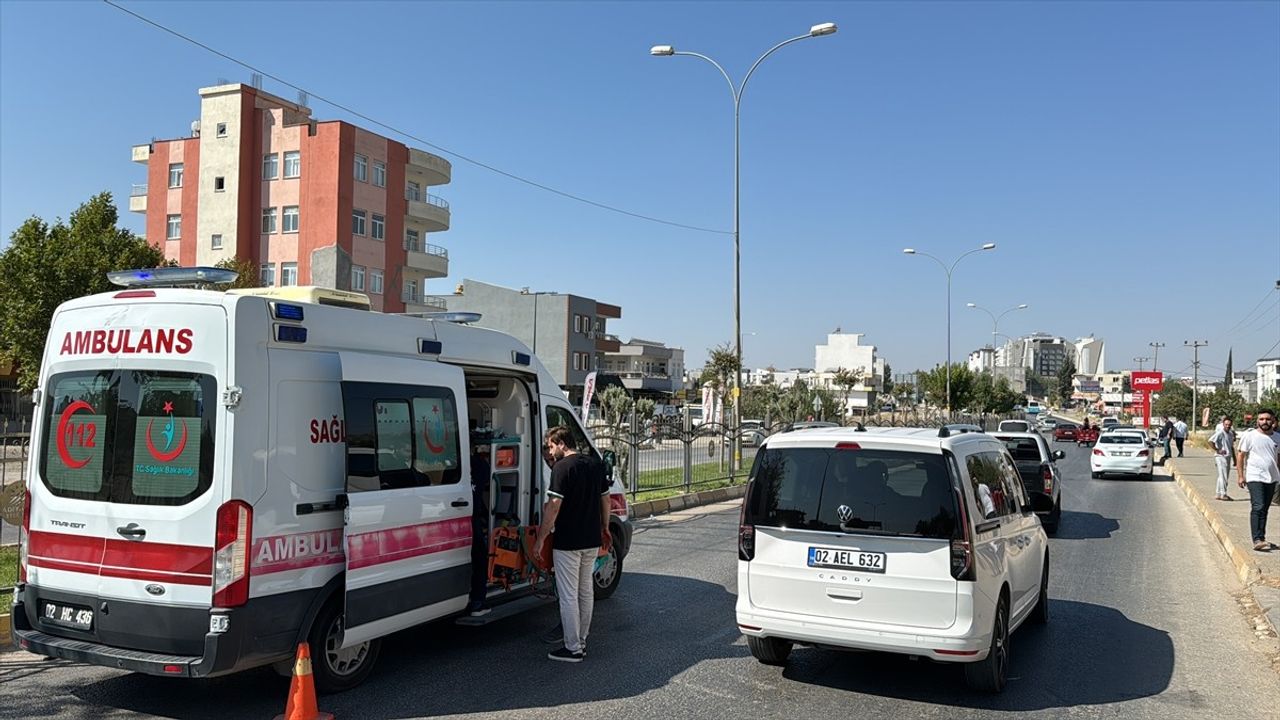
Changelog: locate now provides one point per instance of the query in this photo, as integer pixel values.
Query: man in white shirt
(1223, 442)
(1258, 463)
(1180, 434)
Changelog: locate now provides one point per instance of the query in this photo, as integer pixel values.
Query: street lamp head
(823, 29)
(662, 50)
(909, 251)
(989, 246)
(1023, 306)
(972, 305)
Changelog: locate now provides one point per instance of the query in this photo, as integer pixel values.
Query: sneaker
(554, 635)
(477, 609)
(564, 655)
(1227, 497)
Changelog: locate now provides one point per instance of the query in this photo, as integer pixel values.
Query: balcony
(432, 260)
(428, 212)
(428, 169)
(138, 199)
(417, 302)
(604, 341)
(142, 153)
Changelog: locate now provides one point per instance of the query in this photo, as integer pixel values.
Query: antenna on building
(223, 81)
(255, 79)
(303, 97)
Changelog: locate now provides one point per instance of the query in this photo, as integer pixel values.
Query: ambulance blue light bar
(520, 358)
(291, 334)
(171, 276)
(430, 347)
(285, 311)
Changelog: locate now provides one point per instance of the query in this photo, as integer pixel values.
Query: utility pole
(1195, 383)
(1140, 361)
(1155, 360)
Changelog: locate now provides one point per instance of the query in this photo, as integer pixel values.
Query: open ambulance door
(408, 493)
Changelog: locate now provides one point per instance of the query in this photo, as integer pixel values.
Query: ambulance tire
(337, 670)
(607, 578)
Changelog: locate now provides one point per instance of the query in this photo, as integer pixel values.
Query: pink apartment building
(309, 202)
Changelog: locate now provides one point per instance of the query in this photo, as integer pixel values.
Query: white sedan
(1121, 453)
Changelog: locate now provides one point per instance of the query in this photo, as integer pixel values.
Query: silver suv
(914, 541)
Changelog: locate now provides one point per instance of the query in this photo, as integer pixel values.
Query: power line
(1249, 315)
(415, 138)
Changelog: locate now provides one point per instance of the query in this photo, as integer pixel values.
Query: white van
(217, 477)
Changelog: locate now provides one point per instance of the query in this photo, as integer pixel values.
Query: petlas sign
(1147, 381)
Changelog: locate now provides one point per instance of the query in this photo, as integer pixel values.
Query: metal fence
(672, 453)
(15, 441)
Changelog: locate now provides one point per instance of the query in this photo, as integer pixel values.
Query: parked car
(905, 540)
(1014, 426)
(1065, 431)
(752, 433)
(1038, 467)
(1121, 453)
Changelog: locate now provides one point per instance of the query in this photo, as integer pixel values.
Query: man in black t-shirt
(577, 510)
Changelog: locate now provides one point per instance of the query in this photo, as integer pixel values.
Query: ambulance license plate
(846, 559)
(72, 616)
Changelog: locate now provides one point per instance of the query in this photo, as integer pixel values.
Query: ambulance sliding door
(408, 493)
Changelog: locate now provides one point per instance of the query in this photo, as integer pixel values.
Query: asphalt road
(1144, 625)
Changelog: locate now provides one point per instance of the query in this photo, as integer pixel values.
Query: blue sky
(1125, 157)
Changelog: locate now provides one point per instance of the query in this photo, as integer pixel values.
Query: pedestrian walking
(1166, 439)
(1223, 442)
(1258, 467)
(575, 520)
(1179, 434)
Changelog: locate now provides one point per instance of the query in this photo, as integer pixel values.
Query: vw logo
(155, 589)
(845, 513)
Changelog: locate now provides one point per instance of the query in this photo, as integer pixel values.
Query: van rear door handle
(460, 503)
(132, 531)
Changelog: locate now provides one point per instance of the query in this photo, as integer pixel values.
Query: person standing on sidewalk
(1180, 435)
(1166, 438)
(577, 510)
(1223, 441)
(1258, 465)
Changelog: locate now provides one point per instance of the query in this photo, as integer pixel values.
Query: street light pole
(995, 319)
(1140, 361)
(1155, 358)
(948, 271)
(667, 51)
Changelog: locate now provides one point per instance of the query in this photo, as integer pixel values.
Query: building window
(411, 291)
(413, 191)
(219, 184)
(357, 277)
(268, 220)
(215, 242)
(292, 164)
(362, 168)
(288, 274)
(267, 275)
(270, 166)
(222, 129)
(357, 222)
(174, 229)
(380, 174)
(575, 361)
(175, 175)
(379, 227)
(577, 327)
(375, 282)
(411, 241)
(291, 219)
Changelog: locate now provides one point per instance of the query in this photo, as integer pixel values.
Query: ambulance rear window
(129, 436)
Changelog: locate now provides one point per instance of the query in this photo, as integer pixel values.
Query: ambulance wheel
(609, 575)
(337, 669)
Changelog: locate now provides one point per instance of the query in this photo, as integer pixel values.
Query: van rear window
(885, 492)
(129, 436)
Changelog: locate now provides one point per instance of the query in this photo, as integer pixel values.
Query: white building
(646, 366)
(1245, 384)
(843, 351)
(1091, 355)
(982, 360)
(1268, 370)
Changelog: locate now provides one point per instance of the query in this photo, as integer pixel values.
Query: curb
(1248, 571)
(6, 634)
(683, 502)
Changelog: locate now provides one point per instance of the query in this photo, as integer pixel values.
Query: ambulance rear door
(408, 493)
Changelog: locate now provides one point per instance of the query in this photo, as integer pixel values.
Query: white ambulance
(217, 477)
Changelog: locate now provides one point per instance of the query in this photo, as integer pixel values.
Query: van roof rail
(958, 429)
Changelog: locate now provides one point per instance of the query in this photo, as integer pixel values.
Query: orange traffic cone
(302, 691)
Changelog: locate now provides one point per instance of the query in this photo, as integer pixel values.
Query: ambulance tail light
(23, 537)
(231, 554)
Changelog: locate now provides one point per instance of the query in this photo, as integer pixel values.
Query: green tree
(1223, 402)
(246, 273)
(963, 382)
(888, 381)
(1174, 401)
(846, 380)
(1226, 381)
(1065, 376)
(46, 265)
(992, 395)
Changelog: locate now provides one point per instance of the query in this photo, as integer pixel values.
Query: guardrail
(427, 198)
(138, 190)
(430, 301)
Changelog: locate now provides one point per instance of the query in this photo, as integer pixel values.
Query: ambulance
(217, 477)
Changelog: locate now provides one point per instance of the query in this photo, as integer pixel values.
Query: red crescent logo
(166, 457)
(436, 449)
(63, 453)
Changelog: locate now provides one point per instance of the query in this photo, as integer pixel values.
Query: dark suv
(1038, 467)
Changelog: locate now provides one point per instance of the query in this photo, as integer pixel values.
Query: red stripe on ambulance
(384, 546)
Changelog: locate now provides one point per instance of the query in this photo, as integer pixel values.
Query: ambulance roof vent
(461, 318)
(171, 277)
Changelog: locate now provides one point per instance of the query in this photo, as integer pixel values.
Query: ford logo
(155, 589)
(845, 513)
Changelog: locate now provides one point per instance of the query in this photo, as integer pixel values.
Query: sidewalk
(1197, 475)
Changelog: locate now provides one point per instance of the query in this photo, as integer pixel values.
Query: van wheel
(991, 674)
(1095, 475)
(770, 651)
(338, 669)
(1040, 613)
(1055, 518)
(606, 579)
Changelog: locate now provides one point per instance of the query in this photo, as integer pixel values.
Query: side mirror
(1059, 454)
(610, 460)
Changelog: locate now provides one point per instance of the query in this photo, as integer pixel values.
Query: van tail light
(746, 531)
(231, 554)
(962, 547)
(1048, 480)
(22, 537)
(1096, 451)
(1143, 453)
